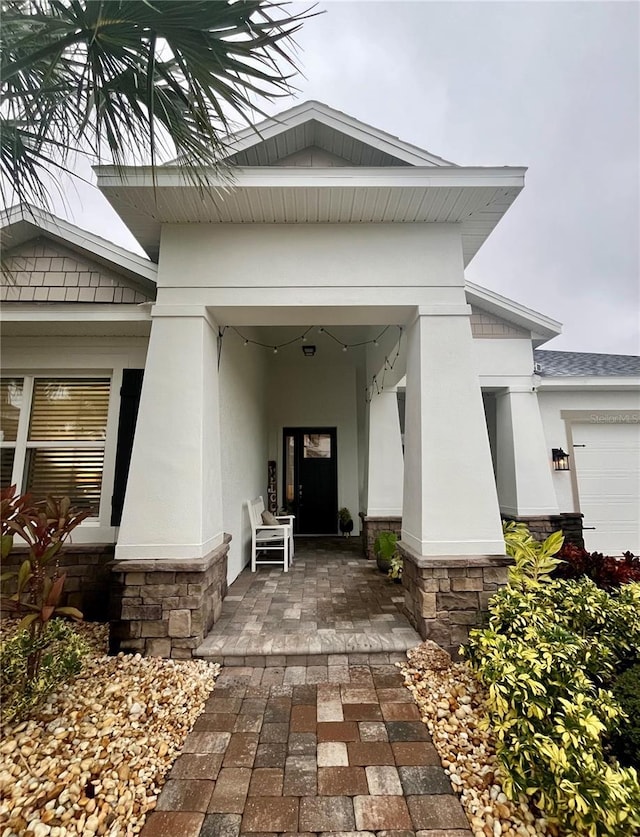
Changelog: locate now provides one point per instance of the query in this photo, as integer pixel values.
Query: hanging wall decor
(272, 493)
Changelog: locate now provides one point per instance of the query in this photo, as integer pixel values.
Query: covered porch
(332, 601)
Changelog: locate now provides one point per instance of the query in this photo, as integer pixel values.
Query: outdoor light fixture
(560, 459)
(308, 351)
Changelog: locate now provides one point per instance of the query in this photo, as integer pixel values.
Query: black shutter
(129, 403)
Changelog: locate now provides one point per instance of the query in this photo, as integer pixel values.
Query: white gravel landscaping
(92, 760)
(451, 701)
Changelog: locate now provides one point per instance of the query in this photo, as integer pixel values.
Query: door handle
(299, 493)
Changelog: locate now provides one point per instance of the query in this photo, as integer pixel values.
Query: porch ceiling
(476, 198)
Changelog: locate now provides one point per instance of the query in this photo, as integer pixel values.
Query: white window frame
(94, 529)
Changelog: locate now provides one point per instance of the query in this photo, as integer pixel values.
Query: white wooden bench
(269, 539)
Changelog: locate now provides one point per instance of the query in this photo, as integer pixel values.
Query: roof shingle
(588, 364)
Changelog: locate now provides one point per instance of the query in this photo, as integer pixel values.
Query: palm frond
(135, 81)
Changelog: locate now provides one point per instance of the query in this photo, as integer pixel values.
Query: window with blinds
(10, 405)
(71, 409)
(11, 395)
(66, 472)
(6, 466)
(65, 441)
(52, 437)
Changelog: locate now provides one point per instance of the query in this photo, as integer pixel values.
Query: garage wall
(603, 481)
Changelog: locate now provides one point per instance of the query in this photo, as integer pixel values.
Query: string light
(377, 383)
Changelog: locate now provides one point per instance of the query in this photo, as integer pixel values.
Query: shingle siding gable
(43, 271)
(485, 325)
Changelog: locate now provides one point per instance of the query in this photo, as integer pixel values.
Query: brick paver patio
(332, 601)
(335, 746)
(309, 729)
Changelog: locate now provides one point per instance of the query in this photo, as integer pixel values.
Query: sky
(554, 86)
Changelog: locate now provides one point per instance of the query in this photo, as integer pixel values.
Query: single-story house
(304, 332)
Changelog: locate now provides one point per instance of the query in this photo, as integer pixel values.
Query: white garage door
(608, 475)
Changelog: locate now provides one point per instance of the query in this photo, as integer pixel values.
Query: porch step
(323, 641)
(331, 662)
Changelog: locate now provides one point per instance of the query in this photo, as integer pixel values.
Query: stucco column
(173, 503)
(450, 499)
(385, 473)
(525, 484)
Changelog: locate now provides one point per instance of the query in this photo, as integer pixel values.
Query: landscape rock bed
(451, 699)
(92, 760)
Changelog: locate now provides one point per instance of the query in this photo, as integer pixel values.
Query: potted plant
(346, 521)
(395, 568)
(385, 549)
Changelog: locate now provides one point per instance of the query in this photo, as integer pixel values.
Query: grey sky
(553, 86)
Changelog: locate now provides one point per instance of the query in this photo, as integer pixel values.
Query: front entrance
(311, 478)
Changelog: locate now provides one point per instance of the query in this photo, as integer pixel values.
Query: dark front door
(311, 479)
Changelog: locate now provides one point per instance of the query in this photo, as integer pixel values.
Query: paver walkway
(332, 747)
(332, 601)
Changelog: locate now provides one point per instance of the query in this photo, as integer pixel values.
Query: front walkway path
(332, 747)
(332, 601)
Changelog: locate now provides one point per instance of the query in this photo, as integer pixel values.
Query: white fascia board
(266, 176)
(593, 382)
(95, 247)
(543, 328)
(25, 312)
(339, 121)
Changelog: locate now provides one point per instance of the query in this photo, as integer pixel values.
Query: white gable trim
(338, 121)
(21, 224)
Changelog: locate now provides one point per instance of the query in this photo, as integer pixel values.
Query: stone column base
(371, 528)
(163, 607)
(447, 596)
(570, 523)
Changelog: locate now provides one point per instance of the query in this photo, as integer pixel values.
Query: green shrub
(60, 651)
(626, 739)
(549, 652)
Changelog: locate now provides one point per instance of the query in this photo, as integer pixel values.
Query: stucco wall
(243, 431)
(555, 427)
(505, 358)
(327, 264)
(317, 392)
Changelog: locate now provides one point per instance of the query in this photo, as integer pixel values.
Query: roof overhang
(542, 328)
(20, 224)
(475, 198)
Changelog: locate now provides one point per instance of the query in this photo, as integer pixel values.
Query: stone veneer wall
(446, 597)
(88, 577)
(541, 527)
(165, 607)
(371, 528)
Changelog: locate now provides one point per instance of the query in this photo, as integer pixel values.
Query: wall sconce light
(308, 351)
(560, 459)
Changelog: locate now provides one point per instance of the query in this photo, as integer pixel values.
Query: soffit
(475, 198)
